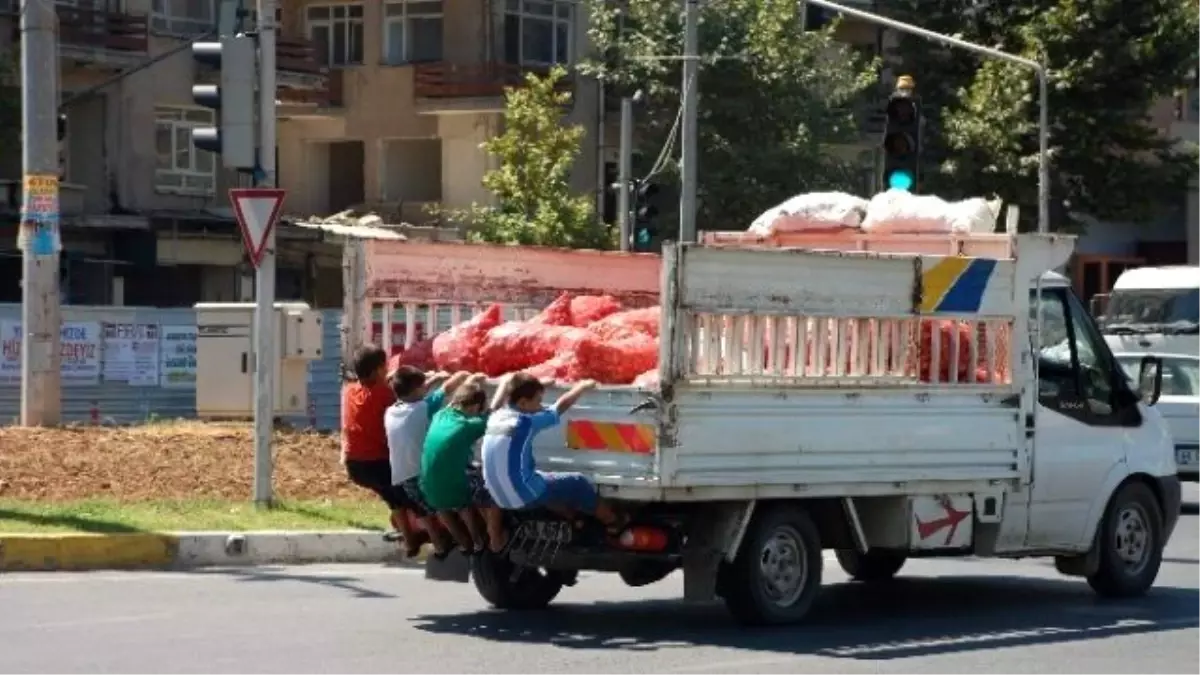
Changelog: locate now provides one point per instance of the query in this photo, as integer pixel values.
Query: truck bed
(738, 415)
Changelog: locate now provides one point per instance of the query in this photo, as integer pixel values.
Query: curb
(74, 552)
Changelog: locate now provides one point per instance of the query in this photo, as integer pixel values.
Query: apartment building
(416, 87)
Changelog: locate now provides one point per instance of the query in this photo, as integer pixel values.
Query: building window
(181, 168)
(538, 32)
(412, 31)
(183, 17)
(337, 31)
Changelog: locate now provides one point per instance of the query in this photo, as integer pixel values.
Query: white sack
(900, 212)
(812, 212)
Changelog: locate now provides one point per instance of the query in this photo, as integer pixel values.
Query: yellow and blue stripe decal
(955, 284)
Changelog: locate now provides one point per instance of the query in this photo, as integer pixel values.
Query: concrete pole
(691, 101)
(39, 238)
(625, 173)
(264, 310)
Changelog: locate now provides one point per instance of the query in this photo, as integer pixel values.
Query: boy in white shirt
(406, 422)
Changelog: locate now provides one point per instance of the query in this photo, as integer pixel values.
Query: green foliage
(773, 98)
(531, 184)
(1110, 62)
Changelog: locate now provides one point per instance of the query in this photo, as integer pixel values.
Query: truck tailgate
(602, 438)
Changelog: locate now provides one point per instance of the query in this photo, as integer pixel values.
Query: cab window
(1075, 368)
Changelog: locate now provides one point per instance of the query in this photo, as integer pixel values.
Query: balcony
(477, 87)
(304, 83)
(91, 38)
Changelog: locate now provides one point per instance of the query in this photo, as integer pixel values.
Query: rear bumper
(1172, 499)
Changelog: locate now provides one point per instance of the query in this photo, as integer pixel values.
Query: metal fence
(101, 385)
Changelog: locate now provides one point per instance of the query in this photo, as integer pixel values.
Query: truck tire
(1131, 545)
(872, 565)
(532, 588)
(777, 573)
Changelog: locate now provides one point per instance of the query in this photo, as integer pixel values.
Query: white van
(1153, 309)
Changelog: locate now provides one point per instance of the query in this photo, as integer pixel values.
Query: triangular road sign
(257, 210)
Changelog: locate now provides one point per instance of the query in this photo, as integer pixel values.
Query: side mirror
(1150, 379)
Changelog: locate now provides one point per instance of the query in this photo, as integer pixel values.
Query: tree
(1110, 62)
(535, 153)
(774, 98)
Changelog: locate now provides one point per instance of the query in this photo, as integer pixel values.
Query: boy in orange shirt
(364, 443)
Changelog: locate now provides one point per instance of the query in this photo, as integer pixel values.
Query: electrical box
(225, 358)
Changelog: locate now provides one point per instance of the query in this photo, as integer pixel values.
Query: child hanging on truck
(509, 472)
(406, 422)
(364, 445)
(449, 482)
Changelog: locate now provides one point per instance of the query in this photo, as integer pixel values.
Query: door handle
(245, 362)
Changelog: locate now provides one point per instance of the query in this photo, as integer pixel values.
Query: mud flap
(454, 567)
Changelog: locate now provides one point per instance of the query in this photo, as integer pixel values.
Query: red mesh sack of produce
(622, 324)
(514, 346)
(419, 355)
(616, 361)
(561, 368)
(458, 348)
(647, 380)
(557, 313)
(946, 330)
(588, 309)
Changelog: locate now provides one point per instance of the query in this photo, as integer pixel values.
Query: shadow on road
(266, 574)
(902, 619)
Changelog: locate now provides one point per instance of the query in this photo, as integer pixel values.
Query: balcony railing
(303, 79)
(297, 55)
(451, 80)
(109, 31)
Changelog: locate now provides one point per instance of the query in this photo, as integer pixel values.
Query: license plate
(1186, 458)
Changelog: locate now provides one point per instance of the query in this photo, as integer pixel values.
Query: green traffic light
(900, 180)
(643, 236)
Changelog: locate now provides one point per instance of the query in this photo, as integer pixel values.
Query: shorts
(571, 490)
(376, 476)
(479, 494)
(413, 499)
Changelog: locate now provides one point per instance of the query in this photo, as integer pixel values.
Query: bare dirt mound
(176, 460)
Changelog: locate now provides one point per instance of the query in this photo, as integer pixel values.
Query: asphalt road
(949, 616)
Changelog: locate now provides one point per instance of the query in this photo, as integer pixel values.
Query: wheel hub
(783, 567)
(1131, 538)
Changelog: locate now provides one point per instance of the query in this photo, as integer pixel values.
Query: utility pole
(39, 238)
(264, 310)
(625, 172)
(691, 101)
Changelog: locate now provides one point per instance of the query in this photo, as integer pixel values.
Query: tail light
(648, 539)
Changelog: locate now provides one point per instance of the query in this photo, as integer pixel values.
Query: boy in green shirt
(448, 482)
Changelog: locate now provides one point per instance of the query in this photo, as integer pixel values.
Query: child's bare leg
(477, 528)
(400, 522)
(607, 515)
(494, 519)
(436, 536)
(461, 536)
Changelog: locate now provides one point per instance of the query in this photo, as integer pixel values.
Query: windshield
(1181, 377)
(1157, 310)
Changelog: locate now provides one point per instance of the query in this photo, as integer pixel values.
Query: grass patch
(100, 515)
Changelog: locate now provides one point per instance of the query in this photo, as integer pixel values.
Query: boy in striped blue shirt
(509, 471)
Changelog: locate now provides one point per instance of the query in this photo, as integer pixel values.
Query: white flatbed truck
(755, 461)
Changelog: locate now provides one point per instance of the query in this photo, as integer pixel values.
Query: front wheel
(872, 565)
(776, 575)
(505, 586)
(1130, 541)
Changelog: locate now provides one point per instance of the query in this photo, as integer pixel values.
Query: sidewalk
(60, 552)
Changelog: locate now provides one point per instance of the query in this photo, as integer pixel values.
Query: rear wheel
(505, 586)
(872, 565)
(1130, 542)
(777, 573)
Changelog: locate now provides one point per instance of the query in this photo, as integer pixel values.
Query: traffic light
(233, 98)
(645, 214)
(902, 138)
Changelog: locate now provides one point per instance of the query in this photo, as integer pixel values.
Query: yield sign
(257, 210)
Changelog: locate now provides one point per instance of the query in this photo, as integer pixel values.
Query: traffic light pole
(691, 101)
(1040, 69)
(264, 281)
(38, 237)
(624, 174)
